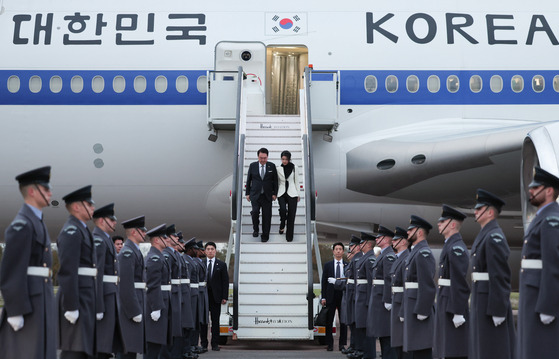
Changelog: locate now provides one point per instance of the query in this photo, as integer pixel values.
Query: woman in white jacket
(288, 194)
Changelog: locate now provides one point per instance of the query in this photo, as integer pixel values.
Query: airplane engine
(540, 148)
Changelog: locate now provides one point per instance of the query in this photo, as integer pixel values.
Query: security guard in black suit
(28, 321)
(77, 277)
(491, 322)
(109, 338)
(419, 292)
(538, 327)
(451, 324)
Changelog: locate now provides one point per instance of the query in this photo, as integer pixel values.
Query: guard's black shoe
(355, 355)
(330, 349)
(203, 350)
(255, 234)
(342, 348)
(347, 350)
(216, 349)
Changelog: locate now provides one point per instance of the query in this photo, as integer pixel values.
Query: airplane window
(476, 83)
(161, 84)
(98, 84)
(35, 84)
(55, 84)
(452, 83)
(496, 83)
(538, 83)
(182, 84)
(119, 84)
(433, 83)
(517, 83)
(76, 84)
(202, 84)
(556, 83)
(391, 84)
(412, 83)
(13, 84)
(140, 84)
(370, 84)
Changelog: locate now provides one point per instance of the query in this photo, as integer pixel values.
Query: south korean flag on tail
(284, 23)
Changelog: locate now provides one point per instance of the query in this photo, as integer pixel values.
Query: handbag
(321, 318)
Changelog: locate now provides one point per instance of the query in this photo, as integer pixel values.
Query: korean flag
(286, 23)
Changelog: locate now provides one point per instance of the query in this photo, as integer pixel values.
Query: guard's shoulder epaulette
(497, 237)
(458, 250)
(127, 253)
(425, 252)
(71, 230)
(18, 224)
(154, 258)
(391, 257)
(553, 221)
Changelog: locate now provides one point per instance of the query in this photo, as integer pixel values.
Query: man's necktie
(338, 272)
(210, 270)
(262, 173)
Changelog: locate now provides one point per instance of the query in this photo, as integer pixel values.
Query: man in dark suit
(332, 297)
(218, 292)
(261, 190)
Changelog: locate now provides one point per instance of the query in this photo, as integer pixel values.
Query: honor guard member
(77, 278)
(400, 245)
(538, 330)
(451, 328)
(28, 320)
(132, 288)
(419, 292)
(380, 302)
(355, 255)
(190, 256)
(202, 290)
(175, 320)
(186, 304)
(158, 295)
(107, 331)
(365, 346)
(491, 322)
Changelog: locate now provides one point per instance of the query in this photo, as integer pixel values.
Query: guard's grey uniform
(203, 306)
(158, 273)
(454, 262)
(378, 322)
(539, 288)
(350, 289)
(420, 269)
(76, 249)
(397, 286)
(27, 245)
(108, 339)
(132, 299)
(489, 254)
(362, 291)
(175, 320)
(186, 307)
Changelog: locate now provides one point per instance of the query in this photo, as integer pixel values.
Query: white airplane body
(143, 143)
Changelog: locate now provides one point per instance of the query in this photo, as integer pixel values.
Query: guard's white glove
(402, 319)
(498, 320)
(137, 318)
(422, 317)
(331, 280)
(376, 251)
(99, 316)
(388, 306)
(16, 322)
(155, 315)
(458, 320)
(546, 319)
(72, 316)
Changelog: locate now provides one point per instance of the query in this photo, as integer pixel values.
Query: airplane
(434, 101)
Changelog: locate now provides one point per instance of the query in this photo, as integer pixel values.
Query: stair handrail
(240, 131)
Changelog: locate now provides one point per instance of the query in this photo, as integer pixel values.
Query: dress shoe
(265, 238)
(190, 355)
(355, 355)
(255, 234)
(342, 348)
(281, 230)
(330, 349)
(203, 350)
(347, 350)
(216, 349)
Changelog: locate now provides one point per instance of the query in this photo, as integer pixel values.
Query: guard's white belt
(185, 281)
(378, 281)
(87, 271)
(397, 289)
(361, 281)
(476, 276)
(110, 279)
(411, 285)
(202, 284)
(166, 288)
(444, 282)
(531, 264)
(194, 285)
(38, 271)
(350, 281)
(139, 285)
(175, 281)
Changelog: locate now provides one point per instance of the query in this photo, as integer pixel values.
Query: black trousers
(215, 311)
(401, 354)
(153, 350)
(329, 320)
(287, 211)
(266, 205)
(65, 354)
(421, 354)
(386, 350)
(127, 356)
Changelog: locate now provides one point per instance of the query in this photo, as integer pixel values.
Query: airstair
(273, 281)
